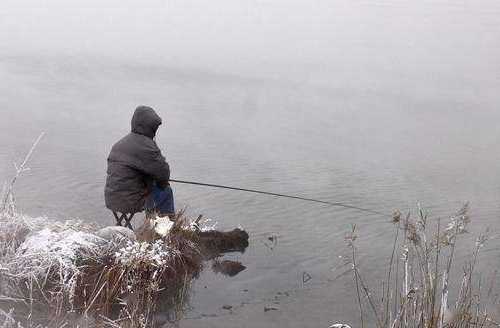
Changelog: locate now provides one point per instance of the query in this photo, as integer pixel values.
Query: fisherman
(138, 175)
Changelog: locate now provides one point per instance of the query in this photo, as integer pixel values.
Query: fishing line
(338, 204)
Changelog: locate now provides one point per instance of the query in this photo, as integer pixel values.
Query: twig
(357, 284)
(19, 170)
(368, 296)
(387, 300)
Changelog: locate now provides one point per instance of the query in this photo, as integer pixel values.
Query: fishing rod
(279, 195)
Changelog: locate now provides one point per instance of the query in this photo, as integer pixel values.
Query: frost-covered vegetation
(417, 289)
(70, 270)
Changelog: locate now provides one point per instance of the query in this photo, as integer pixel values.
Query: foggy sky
(272, 38)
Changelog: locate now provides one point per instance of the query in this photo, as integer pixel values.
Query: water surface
(401, 114)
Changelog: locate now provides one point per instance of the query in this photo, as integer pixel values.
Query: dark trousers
(161, 200)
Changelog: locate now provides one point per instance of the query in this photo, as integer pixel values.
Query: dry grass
(417, 286)
(79, 272)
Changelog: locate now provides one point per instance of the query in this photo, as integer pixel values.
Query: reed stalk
(427, 261)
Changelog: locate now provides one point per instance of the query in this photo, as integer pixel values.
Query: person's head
(145, 121)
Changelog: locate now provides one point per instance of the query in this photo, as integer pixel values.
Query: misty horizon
(317, 42)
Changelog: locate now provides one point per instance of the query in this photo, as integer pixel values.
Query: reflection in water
(228, 267)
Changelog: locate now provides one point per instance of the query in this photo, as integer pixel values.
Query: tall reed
(416, 291)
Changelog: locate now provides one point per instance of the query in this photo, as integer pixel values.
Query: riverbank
(69, 273)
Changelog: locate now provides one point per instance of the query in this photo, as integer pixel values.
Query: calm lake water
(408, 115)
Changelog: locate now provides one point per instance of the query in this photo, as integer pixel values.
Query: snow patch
(66, 244)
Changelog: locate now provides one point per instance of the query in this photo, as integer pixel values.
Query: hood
(145, 121)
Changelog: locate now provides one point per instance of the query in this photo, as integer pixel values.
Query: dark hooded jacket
(134, 163)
